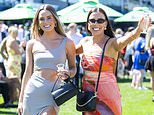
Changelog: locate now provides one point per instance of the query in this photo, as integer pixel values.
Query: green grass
(134, 102)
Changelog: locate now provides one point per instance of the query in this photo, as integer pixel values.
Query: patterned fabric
(14, 64)
(108, 91)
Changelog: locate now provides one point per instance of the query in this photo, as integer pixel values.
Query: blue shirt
(140, 59)
(139, 44)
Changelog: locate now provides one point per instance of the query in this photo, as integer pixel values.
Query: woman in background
(14, 52)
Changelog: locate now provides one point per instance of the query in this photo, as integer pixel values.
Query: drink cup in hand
(60, 67)
(61, 71)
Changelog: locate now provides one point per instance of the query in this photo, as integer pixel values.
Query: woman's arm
(3, 49)
(122, 42)
(79, 47)
(71, 56)
(28, 69)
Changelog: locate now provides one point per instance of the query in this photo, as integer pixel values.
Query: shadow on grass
(7, 113)
(123, 80)
(128, 80)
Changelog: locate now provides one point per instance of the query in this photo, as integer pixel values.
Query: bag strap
(101, 63)
(116, 67)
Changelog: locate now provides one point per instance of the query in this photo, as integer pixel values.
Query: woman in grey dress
(48, 48)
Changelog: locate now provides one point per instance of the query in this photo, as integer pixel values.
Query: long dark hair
(108, 31)
(37, 31)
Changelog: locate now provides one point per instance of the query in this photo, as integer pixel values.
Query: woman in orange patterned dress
(108, 96)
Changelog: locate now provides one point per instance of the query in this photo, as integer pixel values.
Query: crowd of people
(133, 58)
(29, 60)
(136, 61)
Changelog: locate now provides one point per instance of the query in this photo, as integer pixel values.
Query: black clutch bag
(65, 92)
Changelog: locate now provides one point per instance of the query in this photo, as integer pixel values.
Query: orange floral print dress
(108, 90)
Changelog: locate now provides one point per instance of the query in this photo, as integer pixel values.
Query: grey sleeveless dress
(37, 94)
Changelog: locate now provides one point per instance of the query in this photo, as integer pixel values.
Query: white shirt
(20, 34)
(76, 37)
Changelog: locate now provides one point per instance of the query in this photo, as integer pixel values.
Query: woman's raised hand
(144, 23)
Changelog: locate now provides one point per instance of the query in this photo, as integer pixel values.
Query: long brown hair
(37, 31)
(108, 30)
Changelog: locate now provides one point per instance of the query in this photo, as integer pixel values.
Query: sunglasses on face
(99, 21)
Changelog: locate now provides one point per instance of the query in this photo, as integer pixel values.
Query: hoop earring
(55, 25)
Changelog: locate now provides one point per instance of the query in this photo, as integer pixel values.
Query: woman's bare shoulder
(70, 45)
(30, 44)
(112, 41)
(31, 41)
(69, 42)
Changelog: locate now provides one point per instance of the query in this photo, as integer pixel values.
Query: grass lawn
(134, 102)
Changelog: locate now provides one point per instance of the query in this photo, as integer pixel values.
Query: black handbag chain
(101, 63)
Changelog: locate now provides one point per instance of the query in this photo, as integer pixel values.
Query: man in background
(74, 35)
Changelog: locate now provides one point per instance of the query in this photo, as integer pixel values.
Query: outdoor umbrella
(135, 15)
(20, 11)
(78, 12)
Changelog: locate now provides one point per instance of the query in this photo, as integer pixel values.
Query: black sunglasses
(99, 21)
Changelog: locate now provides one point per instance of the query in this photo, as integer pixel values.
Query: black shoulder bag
(86, 100)
(65, 92)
